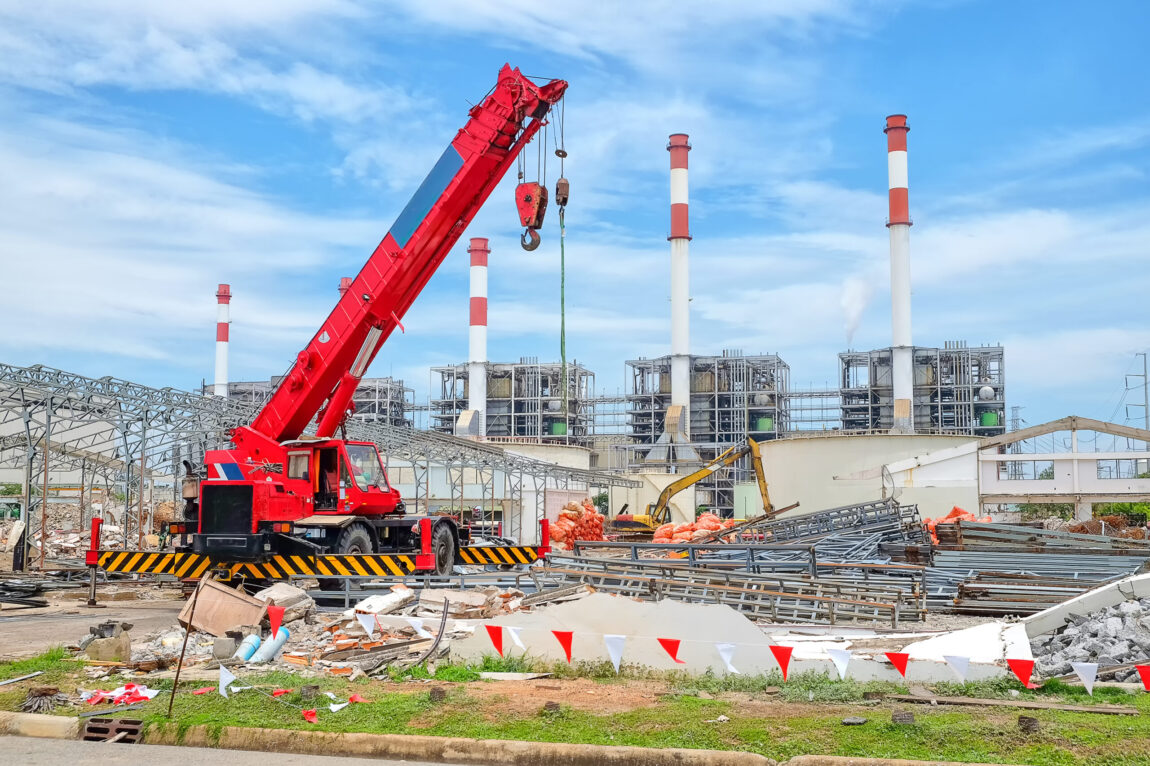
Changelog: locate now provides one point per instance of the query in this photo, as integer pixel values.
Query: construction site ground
(802, 716)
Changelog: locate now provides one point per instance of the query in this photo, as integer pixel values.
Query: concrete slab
(699, 627)
(1129, 589)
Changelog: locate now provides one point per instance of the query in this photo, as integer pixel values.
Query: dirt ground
(527, 697)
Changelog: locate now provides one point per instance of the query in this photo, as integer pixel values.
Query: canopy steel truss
(123, 432)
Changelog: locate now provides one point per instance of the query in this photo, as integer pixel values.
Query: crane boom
(276, 493)
(325, 374)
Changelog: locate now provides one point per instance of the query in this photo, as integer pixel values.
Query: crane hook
(530, 239)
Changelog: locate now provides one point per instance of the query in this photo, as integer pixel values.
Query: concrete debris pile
(229, 628)
(1111, 526)
(1116, 638)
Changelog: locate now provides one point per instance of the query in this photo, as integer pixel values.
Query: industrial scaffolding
(733, 397)
(376, 400)
(525, 401)
(957, 389)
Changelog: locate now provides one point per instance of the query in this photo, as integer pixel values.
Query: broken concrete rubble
(1115, 635)
(295, 601)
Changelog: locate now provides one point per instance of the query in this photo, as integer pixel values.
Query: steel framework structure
(122, 431)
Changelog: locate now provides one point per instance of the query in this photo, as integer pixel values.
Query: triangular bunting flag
(204, 690)
(335, 707)
(841, 658)
(496, 634)
(226, 679)
(1087, 672)
(1144, 674)
(727, 655)
(1022, 669)
(310, 716)
(671, 647)
(782, 656)
(280, 692)
(565, 637)
(960, 665)
(899, 660)
(356, 698)
(417, 625)
(368, 623)
(514, 633)
(276, 618)
(614, 645)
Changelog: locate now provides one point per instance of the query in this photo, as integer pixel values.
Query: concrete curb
(483, 752)
(486, 752)
(38, 725)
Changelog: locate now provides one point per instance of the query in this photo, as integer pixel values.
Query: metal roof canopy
(105, 424)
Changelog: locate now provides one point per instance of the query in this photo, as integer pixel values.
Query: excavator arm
(659, 512)
(325, 373)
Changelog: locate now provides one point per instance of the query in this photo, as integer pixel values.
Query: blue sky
(150, 150)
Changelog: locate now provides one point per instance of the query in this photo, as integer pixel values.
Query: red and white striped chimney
(680, 239)
(902, 352)
(344, 285)
(223, 301)
(477, 334)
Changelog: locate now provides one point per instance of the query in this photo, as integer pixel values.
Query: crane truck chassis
(280, 502)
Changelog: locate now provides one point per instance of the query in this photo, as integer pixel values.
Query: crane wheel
(443, 549)
(355, 539)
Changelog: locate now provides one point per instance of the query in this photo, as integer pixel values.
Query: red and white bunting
(368, 622)
(727, 654)
(899, 660)
(1144, 674)
(783, 657)
(1023, 669)
(515, 637)
(226, 678)
(417, 625)
(614, 644)
(960, 665)
(495, 632)
(276, 618)
(841, 658)
(564, 637)
(671, 647)
(1087, 672)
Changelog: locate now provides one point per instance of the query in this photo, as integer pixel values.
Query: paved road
(25, 632)
(51, 752)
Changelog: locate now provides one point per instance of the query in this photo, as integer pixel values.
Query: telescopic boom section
(326, 373)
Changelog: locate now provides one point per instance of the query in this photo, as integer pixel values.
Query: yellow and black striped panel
(498, 554)
(282, 567)
(154, 562)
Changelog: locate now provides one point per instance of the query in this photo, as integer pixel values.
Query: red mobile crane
(278, 492)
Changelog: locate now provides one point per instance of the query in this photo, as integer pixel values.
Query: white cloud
(118, 244)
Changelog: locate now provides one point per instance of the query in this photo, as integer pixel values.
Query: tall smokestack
(223, 299)
(902, 352)
(680, 284)
(477, 334)
(344, 285)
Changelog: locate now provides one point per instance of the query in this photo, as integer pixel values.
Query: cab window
(297, 465)
(366, 468)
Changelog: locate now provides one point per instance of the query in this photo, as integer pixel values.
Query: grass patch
(55, 659)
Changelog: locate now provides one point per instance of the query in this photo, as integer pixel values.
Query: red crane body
(291, 483)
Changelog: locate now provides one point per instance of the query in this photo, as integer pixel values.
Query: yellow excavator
(659, 512)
